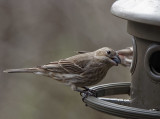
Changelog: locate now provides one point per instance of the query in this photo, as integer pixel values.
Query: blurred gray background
(35, 32)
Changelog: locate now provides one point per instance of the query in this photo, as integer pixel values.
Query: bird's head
(106, 54)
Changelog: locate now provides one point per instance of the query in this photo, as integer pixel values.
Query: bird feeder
(143, 17)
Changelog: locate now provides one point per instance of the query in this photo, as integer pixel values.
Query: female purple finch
(84, 69)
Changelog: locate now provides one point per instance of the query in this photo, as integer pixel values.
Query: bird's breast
(95, 75)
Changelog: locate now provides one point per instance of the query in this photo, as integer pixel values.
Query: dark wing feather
(70, 67)
(54, 67)
(63, 66)
(73, 65)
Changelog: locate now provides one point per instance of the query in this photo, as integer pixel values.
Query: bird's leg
(94, 93)
(86, 88)
(89, 92)
(73, 87)
(79, 90)
(84, 93)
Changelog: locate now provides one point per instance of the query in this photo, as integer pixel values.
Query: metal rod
(125, 102)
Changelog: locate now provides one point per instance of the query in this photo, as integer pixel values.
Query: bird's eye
(109, 52)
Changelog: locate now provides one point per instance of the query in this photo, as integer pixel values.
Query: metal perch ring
(117, 107)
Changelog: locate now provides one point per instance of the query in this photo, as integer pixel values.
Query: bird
(79, 71)
(126, 56)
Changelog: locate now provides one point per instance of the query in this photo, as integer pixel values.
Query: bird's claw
(88, 92)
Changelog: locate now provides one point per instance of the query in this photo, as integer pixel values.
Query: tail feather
(23, 70)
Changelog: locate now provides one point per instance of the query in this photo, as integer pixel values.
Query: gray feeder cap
(142, 11)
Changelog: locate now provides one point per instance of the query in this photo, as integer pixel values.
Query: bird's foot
(91, 92)
(88, 92)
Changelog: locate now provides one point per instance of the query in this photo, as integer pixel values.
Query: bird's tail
(24, 70)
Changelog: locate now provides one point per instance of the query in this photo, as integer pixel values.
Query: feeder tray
(118, 107)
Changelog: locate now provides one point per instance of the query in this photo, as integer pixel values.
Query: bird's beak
(116, 60)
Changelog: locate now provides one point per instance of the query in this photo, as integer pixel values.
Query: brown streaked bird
(84, 69)
(126, 56)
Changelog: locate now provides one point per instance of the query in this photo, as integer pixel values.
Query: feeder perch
(143, 18)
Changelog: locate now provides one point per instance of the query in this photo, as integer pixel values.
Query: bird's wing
(70, 66)
(53, 67)
(63, 66)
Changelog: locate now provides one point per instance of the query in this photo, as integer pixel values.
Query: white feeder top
(143, 11)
